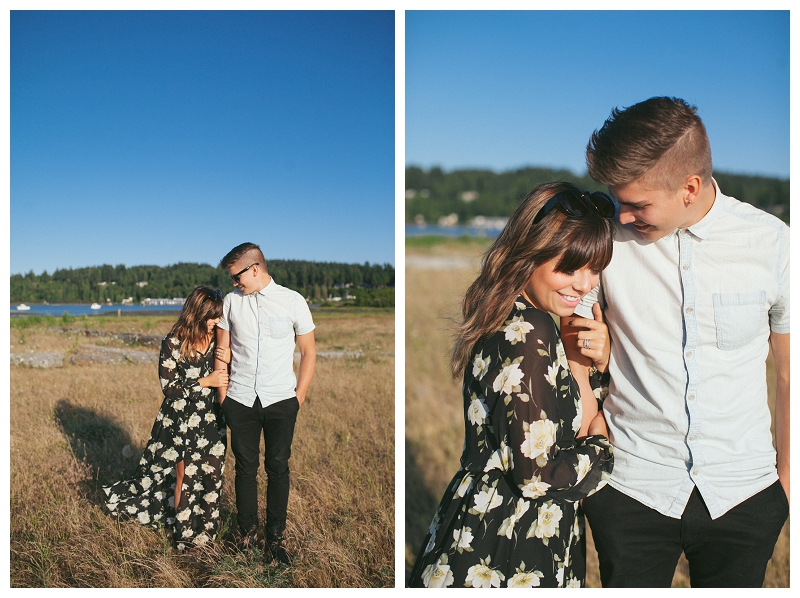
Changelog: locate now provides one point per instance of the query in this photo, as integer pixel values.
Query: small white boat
(95, 306)
(23, 307)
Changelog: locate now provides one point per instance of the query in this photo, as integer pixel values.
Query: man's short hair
(234, 255)
(660, 140)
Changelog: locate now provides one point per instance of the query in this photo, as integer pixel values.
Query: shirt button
(688, 353)
(686, 266)
(692, 437)
(689, 310)
(694, 472)
(691, 397)
(683, 231)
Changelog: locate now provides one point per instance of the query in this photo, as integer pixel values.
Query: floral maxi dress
(190, 427)
(509, 518)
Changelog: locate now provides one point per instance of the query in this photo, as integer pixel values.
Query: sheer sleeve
(537, 414)
(170, 369)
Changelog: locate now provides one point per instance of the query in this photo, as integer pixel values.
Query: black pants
(639, 547)
(246, 424)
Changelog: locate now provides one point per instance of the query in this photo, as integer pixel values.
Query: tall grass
(70, 428)
(434, 420)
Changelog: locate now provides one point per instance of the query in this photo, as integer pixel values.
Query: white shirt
(689, 316)
(263, 326)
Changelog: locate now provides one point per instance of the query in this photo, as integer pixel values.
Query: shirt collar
(702, 228)
(268, 288)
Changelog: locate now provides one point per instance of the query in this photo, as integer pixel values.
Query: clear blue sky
(502, 90)
(164, 137)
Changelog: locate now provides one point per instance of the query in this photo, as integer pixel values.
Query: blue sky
(502, 90)
(164, 137)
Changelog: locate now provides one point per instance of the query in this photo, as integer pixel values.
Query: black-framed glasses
(578, 205)
(235, 277)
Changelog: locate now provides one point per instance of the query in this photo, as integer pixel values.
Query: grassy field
(69, 426)
(438, 272)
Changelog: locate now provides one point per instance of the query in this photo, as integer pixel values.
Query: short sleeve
(779, 311)
(584, 308)
(224, 321)
(303, 322)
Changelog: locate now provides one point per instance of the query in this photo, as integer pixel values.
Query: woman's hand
(593, 339)
(598, 426)
(215, 379)
(223, 354)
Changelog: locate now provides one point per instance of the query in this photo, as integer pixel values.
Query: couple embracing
(648, 409)
(242, 346)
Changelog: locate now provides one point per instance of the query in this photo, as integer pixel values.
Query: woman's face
(211, 323)
(559, 292)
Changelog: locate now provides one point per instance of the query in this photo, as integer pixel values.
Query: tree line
(434, 194)
(370, 284)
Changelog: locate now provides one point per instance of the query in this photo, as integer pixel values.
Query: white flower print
(131, 509)
(516, 329)
(486, 500)
(211, 497)
(573, 583)
(561, 355)
(193, 372)
(551, 375)
(438, 575)
(210, 417)
(187, 532)
(196, 456)
(205, 392)
(481, 576)
(197, 510)
(190, 470)
(170, 454)
(177, 440)
(132, 489)
(201, 539)
(546, 525)
(218, 449)
(502, 458)
(464, 486)
(520, 306)
(508, 379)
(198, 486)
(583, 467)
(169, 364)
(179, 404)
(159, 495)
(535, 487)
(480, 365)
(202, 442)
(463, 539)
(167, 422)
(477, 411)
(194, 420)
(539, 437)
(200, 405)
(507, 527)
(183, 428)
(114, 499)
(176, 354)
(143, 517)
(207, 468)
(525, 579)
(215, 514)
(576, 421)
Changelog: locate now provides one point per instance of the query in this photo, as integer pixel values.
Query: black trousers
(639, 547)
(246, 425)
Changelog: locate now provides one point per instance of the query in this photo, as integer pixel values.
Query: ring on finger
(586, 343)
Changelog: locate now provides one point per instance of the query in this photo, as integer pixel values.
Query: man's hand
(780, 353)
(308, 362)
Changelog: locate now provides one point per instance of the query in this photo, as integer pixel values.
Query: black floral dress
(190, 427)
(509, 518)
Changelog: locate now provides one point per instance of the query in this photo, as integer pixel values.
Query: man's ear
(691, 189)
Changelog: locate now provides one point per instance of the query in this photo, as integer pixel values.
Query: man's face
(654, 213)
(247, 279)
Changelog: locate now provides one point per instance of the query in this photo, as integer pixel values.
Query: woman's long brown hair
(517, 252)
(191, 329)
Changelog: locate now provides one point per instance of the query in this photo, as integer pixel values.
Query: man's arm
(308, 362)
(780, 353)
(223, 342)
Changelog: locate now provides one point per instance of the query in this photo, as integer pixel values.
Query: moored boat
(23, 307)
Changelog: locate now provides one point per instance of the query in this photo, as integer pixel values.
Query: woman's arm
(223, 343)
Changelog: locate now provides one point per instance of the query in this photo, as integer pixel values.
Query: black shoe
(276, 553)
(249, 541)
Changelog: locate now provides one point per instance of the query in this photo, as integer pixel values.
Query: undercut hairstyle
(251, 250)
(660, 141)
(517, 252)
(191, 329)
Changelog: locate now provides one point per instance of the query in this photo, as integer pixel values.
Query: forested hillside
(434, 194)
(314, 280)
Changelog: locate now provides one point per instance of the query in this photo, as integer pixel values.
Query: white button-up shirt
(263, 326)
(689, 316)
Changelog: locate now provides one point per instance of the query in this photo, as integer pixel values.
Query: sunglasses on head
(578, 205)
(235, 277)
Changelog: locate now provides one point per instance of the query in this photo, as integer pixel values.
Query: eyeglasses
(235, 277)
(578, 205)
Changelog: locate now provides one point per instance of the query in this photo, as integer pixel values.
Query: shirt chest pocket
(739, 317)
(280, 326)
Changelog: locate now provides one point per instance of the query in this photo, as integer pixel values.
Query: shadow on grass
(420, 506)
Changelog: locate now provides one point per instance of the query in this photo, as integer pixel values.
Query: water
(451, 231)
(86, 310)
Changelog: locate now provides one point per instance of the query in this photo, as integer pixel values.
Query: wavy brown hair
(517, 252)
(203, 304)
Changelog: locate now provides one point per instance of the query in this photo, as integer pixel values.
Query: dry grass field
(437, 275)
(69, 426)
